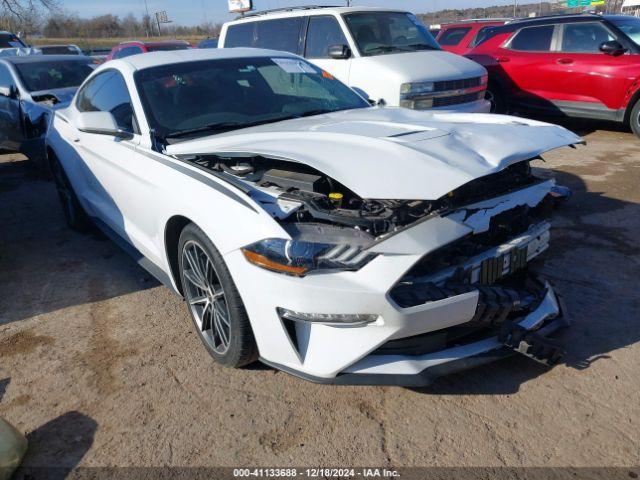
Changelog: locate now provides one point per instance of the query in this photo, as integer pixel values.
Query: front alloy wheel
(214, 302)
(205, 296)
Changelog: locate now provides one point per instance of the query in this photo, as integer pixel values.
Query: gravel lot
(100, 365)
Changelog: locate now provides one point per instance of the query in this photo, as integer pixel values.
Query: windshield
(59, 50)
(212, 96)
(167, 47)
(629, 26)
(51, 75)
(10, 41)
(379, 33)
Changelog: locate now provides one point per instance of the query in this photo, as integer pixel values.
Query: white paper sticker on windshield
(292, 65)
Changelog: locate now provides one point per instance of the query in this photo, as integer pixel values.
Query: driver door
(10, 118)
(323, 32)
(123, 188)
(584, 76)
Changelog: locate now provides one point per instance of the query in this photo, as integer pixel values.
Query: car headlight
(416, 88)
(312, 247)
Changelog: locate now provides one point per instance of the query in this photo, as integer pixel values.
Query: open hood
(393, 153)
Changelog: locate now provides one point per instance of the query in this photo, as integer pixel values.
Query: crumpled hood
(393, 153)
(64, 95)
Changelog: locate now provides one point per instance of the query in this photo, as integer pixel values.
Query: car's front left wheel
(213, 300)
(74, 214)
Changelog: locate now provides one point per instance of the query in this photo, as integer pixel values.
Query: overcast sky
(193, 12)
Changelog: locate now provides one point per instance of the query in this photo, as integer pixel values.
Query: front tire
(213, 301)
(74, 214)
(634, 119)
(496, 98)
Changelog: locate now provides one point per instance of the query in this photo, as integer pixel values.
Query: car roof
(309, 10)
(21, 59)
(156, 59)
(478, 21)
(553, 19)
(156, 43)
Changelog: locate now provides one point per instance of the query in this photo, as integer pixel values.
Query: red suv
(462, 36)
(584, 66)
(126, 49)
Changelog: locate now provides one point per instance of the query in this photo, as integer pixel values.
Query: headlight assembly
(313, 247)
(417, 88)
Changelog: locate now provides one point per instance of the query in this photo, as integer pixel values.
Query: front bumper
(537, 328)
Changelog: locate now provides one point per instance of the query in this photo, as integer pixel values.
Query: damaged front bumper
(532, 335)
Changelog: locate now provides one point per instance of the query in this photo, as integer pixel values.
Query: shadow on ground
(57, 447)
(46, 266)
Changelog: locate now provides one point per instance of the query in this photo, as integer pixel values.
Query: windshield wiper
(384, 48)
(224, 126)
(421, 46)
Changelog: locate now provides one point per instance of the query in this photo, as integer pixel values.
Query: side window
(480, 36)
(240, 35)
(107, 92)
(6, 80)
(127, 52)
(453, 36)
(282, 34)
(323, 32)
(584, 37)
(533, 39)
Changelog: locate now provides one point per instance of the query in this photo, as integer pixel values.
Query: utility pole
(515, 4)
(148, 19)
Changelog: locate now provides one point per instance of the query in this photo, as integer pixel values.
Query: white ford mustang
(333, 240)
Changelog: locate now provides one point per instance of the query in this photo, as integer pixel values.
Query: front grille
(456, 99)
(445, 85)
(497, 304)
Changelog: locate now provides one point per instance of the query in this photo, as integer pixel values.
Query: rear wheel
(213, 300)
(74, 214)
(496, 98)
(634, 119)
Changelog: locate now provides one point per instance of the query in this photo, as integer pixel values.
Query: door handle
(503, 59)
(565, 61)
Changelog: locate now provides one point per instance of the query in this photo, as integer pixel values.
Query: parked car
(126, 49)
(99, 55)
(59, 50)
(10, 42)
(208, 43)
(584, 66)
(386, 55)
(31, 87)
(460, 37)
(333, 240)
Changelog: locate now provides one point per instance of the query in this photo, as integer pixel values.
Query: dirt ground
(100, 366)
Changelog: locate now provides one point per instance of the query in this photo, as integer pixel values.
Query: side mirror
(612, 47)
(101, 123)
(339, 52)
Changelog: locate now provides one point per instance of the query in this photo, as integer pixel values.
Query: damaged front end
(501, 227)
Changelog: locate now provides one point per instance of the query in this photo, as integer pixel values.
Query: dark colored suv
(584, 66)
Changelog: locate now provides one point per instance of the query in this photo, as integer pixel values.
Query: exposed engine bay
(297, 193)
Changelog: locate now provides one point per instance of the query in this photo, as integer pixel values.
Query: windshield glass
(59, 50)
(379, 33)
(212, 96)
(10, 41)
(51, 75)
(630, 26)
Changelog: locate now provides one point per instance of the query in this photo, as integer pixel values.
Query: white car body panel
(380, 77)
(136, 191)
(355, 146)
